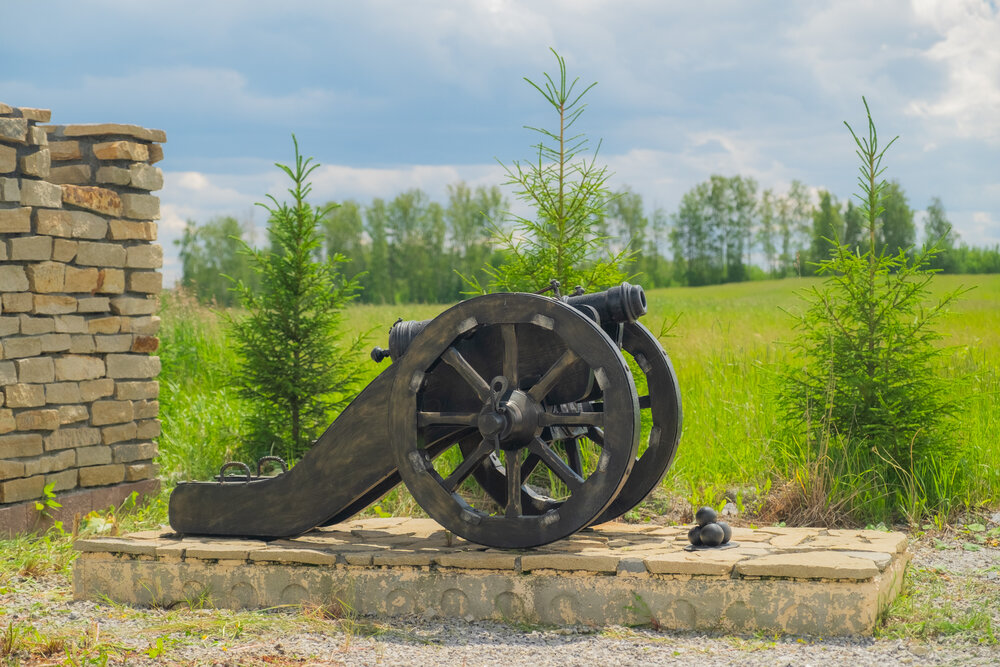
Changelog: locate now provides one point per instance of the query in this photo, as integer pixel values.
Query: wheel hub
(512, 419)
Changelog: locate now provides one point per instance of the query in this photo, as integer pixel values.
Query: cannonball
(705, 516)
(727, 530)
(694, 536)
(712, 535)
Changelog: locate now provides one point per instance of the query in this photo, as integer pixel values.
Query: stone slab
(613, 574)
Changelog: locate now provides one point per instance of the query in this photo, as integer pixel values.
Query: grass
(724, 344)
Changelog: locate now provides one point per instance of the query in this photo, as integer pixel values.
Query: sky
(388, 96)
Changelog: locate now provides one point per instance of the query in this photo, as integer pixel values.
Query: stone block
(144, 257)
(149, 428)
(81, 280)
(136, 391)
(145, 344)
(18, 302)
(100, 254)
(121, 150)
(11, 469)
(35, 370)
(49, 463)
(46, 277)
(808, 565)
(102, 475)
(31, 248)
(13, 279)
(72, 438)
(25, 395)
(41, 193)
(149, 282)
(130, 230)
(54, 304)
(110, 412)
(70, 323)
(65, 150)
(145, 177)
(9, 326)
(72, 174)
(81, 344)
(16, 347)
(146, 410)
(37, 115)
(93, 198)
(31, 326)
(8, 373)
(155, 153)
(19, 445)
(8, 159)
(140, 207)
(37, 163)
(37, 136)
(130, 305)
(37, 420)
(10, 189)
(62, 392)
(113, 175)
(478, 560)
(113, 343)
(111, 281)
(105, 325)
(137, 471)
(71, 414)
(93, 456)
(120, 433)
(73, 368)
(132, 366)
(568, 561)
(62, 481)
(15, 220)
(147, 326)
(92, 390)
(16, 130)
(64, 250)
(105, 129)
(134, 452)
(94, 304)
(70, 224)
(26, 488)
(56, 342)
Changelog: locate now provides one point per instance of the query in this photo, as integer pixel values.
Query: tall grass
(724, 345)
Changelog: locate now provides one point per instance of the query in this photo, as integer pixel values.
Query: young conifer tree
(294, 366)
(569, 194)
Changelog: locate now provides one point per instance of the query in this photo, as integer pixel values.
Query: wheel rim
(512, 418)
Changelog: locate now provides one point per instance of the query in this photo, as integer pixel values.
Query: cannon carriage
(512, 418)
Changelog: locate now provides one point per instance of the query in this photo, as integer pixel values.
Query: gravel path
(954, 603)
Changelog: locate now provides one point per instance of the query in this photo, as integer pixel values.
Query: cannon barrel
(621, 304)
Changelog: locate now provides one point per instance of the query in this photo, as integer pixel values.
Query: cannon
(512, 418)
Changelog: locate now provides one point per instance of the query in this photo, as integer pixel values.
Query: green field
(725, 342)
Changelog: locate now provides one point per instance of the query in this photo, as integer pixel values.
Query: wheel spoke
(644, 403)
(509, 354)
(529, 465)
(571, 419)
(573, 456)
(597, 435)
(447, 418)
(513, 467)
(556, 464)
(459, 474)
(544, 386)
(455, 359)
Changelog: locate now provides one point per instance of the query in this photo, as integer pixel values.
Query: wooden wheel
(500, 364)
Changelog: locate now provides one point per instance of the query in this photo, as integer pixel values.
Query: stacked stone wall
(79, 279)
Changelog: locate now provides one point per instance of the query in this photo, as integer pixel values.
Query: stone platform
(794, 580)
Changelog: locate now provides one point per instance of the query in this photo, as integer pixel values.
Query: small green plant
(570, 195)
(48, 501)
(867, 396)
(292, 366)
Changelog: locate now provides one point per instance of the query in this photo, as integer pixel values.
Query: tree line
(411, 249)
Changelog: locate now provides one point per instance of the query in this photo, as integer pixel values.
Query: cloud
(969, 53)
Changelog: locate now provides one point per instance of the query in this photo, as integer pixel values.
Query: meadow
(726, 342)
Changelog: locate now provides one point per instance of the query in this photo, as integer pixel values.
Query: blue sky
(394, 95)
